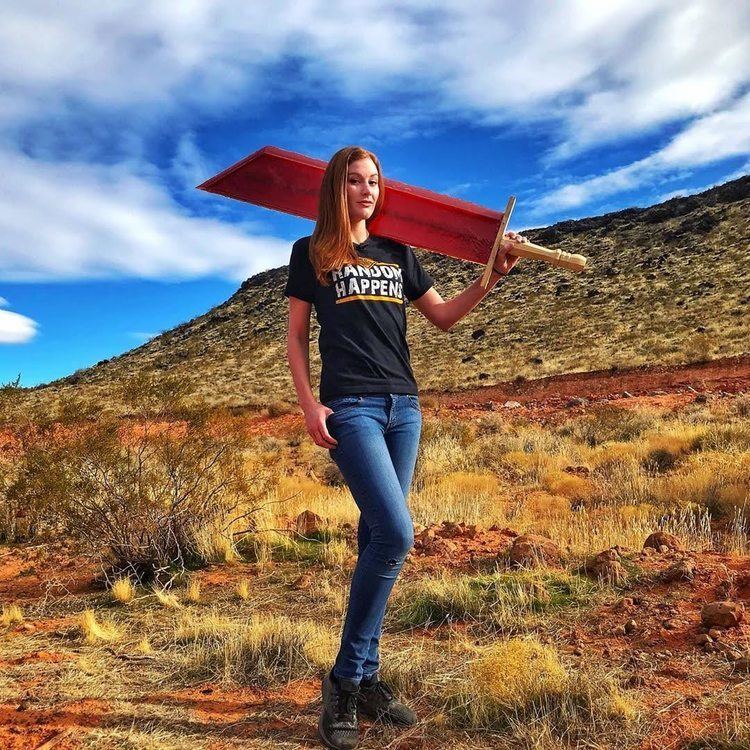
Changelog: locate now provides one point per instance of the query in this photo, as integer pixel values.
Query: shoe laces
(346, 704)
(384, 689)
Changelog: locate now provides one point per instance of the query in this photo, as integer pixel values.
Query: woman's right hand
(315, 421)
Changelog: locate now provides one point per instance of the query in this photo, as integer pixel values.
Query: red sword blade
(289, 182)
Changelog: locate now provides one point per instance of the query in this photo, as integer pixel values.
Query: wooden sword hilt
(568, 261)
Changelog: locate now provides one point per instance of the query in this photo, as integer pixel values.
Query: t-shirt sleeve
(416, 280)
(301, 279)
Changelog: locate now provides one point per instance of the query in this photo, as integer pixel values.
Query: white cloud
(710, 139)
(619, 68)
(15, 328)
(93, 81)
(72, 221)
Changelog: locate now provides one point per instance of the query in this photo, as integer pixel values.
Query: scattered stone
(303, 582)
(308, 523)
(660, 539)
(670, 624)
(729, 650)
(424, 538)
(703, 639)
(579, 471)
(741, 664)
(684, 570)
(531, 550)
(723, 614)
(512, 404)
(442, 546)
(715, 633)
(450, 529)
(631, 626)
(577, 401)
(606, 566)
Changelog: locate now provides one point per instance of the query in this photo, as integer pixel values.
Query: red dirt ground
(673, 672)
(546, 400)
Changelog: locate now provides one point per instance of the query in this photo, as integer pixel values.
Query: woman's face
(362, 189)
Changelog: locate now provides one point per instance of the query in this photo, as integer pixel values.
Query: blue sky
(111, 113)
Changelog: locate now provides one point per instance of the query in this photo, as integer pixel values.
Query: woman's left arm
(446, 313)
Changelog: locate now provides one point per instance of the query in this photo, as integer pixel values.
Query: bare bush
(142, 492)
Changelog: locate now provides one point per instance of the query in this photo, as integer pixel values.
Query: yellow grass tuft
(144, 646)
(567, 485)
(193, 591)
(166, 598)
(512, 673)
(123, 590)
(243, 590)
(12, 615)
(510, 683)
(94, 631)
(257, 650)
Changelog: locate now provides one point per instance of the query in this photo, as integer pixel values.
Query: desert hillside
(667, 284)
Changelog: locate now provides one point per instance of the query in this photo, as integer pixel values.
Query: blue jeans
(378, 438)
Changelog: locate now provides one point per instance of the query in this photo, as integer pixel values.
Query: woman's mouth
(365, 203)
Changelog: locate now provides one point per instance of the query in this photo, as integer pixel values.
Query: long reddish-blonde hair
(331, 243)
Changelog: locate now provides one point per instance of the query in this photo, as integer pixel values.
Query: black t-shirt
(362, 316)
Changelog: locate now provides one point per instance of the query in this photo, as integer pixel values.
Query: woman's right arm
(298, 355)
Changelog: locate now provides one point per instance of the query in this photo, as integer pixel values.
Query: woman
(368, 416)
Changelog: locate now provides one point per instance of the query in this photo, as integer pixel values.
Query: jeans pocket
(414, 401)
(343, 403)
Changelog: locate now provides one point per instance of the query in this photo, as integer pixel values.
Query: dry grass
(508, 684)
(11, 615)
(93, 631)
(166, 598)
(243, 590)
(123, 591)
(192, 590)
(259, 649)
(501, 602)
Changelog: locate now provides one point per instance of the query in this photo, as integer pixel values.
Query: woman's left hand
(504, 263)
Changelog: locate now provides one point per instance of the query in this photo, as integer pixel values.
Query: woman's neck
(359, 232)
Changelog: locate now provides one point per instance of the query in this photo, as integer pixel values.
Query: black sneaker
(377, 701)
(338, 725)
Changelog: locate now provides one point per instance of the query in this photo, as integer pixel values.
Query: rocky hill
(666, 284)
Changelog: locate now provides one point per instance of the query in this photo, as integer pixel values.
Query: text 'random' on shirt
(362, 316)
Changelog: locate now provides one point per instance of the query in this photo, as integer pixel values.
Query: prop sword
(290, 182)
